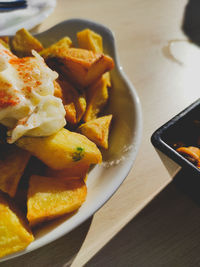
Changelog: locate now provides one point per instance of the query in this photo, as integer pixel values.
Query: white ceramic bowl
(125, 136)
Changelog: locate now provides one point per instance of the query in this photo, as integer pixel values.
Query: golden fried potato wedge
(80, 103)
(50, 197)
(82, 67)
(13, 161)
(97, 97)
(106, 76)
(23, 43)
(70, 109)
(74, 102)
(68, 101)
(57, 90)
(4, 40)
(55, 49)
(80, 172)
(97, 130)
(62, 150)
(90, 40)
(14, 232)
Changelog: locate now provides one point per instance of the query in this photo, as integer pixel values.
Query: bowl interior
(125, 137)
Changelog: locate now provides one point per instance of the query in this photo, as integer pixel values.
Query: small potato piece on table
(62, 150)
(50, 197)
(13, 161)
(14, 233)
(23, 43)
(97, 130)
(82, 67)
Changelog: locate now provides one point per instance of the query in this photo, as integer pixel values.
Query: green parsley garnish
(78, 154)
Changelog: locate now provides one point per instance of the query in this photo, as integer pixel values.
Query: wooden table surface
(143, 30)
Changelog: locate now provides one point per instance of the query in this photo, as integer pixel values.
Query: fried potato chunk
(55, 49)
(14, 233)
(23, 43)
(74, 102)
(80, 172)
(82, 67)
(62, 150)
(81, 104)
(97, 97)
(49, 197)
(97, 93)
(13, 161)
(57, 90)
(191, 153)
(4, 40)
(90, 40)
(97, 130)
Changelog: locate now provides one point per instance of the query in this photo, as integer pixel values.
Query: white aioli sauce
(27, 102)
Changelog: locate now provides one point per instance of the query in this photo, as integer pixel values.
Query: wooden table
(143, 30)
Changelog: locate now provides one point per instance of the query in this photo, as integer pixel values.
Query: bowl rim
(137, 134)
(161, 145)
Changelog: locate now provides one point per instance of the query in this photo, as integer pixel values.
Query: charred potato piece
(82, 67)
(97, 130)
(23, 43)
(14, 232)
(13, 161)
(62, 150)
(50, 197)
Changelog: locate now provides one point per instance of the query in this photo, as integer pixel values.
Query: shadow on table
(58, 253)
(191, 21)
(165, 233)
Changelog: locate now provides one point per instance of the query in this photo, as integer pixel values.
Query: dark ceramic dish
(184, 129)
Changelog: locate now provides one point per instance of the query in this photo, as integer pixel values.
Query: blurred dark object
(12, 5)
(3, 134)
(188, 183)
(191, 21)
(182, 130)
